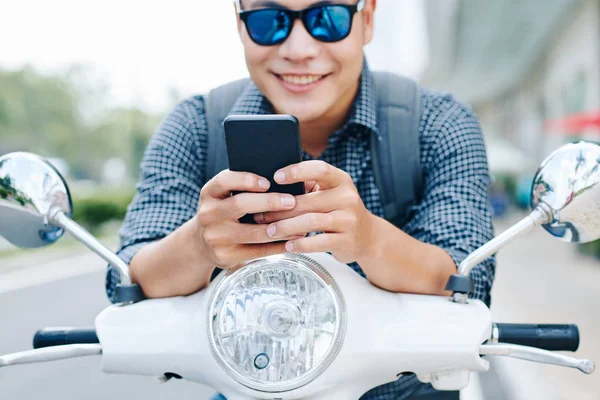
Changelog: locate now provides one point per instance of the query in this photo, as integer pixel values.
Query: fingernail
(289, 246)
(288, 201)
(259, 217)
(271, 230)
(263, 183)
(280, 176)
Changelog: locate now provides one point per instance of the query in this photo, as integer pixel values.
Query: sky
(143, 49)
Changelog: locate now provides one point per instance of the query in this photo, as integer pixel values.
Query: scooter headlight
(276, 323)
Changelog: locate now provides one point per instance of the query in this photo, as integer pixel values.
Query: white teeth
(301, 80)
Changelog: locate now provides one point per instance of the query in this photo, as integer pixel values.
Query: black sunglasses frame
(293, 15)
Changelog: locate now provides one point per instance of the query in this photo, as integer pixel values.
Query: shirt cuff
(112, 273)
(457, 255)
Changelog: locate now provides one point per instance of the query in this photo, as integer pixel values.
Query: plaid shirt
(453, 214)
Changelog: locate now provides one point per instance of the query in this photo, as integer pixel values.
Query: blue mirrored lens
(328, 23)
(268, 27)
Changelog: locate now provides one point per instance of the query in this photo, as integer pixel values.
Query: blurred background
(86, 84)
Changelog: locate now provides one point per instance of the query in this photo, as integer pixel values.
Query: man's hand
(225, 241)
(335, 208)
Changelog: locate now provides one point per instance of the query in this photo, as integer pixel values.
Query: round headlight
(276, 323)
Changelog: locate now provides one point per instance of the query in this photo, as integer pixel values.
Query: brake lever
(537, 355)
(50, 354)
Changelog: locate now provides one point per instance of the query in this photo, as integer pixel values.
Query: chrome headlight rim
(308, 265)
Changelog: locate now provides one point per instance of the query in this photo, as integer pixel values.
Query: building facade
(525, 67)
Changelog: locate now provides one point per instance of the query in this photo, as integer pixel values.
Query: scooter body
(386, 334)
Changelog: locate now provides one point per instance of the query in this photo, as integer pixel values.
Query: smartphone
(263, 144)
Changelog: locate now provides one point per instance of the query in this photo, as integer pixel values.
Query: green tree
(60, 116)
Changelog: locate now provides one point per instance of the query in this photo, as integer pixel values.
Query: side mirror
(36, 209)
(31, 190)
(568, 182)
(565, 201)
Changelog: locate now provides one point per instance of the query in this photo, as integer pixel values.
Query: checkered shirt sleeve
(169, 186)
(455, 213)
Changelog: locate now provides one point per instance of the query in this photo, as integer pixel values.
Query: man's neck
(315, 134)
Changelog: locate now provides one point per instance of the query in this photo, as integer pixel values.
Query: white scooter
(303, 326)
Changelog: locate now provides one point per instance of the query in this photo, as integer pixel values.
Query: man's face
(305, 77)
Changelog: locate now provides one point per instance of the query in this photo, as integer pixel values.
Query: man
(178, 228)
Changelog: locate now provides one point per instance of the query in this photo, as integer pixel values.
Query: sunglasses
(326, 23)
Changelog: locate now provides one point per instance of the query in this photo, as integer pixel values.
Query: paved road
(543, 280)
(73, 301)
(539, 280)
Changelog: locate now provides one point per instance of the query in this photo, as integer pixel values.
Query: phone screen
(263, 144)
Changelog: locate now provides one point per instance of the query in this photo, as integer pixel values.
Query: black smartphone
(263, 144)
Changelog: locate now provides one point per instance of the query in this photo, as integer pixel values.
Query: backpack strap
(218, 104)
(395, 150)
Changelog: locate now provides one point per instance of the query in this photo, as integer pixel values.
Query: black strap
(396, 150)
(218, 104)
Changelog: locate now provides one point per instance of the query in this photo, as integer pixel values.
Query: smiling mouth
(301, 80)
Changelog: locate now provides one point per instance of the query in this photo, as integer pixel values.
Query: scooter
(303, 326)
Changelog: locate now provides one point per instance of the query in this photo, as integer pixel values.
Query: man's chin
(305, 109)
(302, 113)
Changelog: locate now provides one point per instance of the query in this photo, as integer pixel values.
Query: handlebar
(550, 337)
(49, 337)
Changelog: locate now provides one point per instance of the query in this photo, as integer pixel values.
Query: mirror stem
(59, 218)
(541, 215)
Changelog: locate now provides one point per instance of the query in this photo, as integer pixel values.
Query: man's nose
(299, 45)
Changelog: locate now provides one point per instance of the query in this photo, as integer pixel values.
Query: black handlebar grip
(49, 337)
(543, 336)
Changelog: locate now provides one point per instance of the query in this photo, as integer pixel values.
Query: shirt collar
(252, 101)
(363, 111)
(364, 108)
